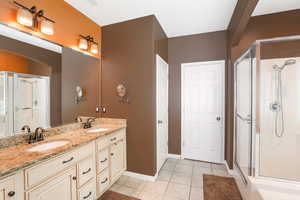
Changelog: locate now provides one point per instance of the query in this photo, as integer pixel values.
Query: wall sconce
(87, 43)
(30, 17)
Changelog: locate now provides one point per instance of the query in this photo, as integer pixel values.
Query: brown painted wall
(259, 27)
(69, 22)
(79, 70)
(187, 49)
(129, 58)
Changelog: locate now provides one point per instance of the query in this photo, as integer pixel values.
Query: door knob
(218, 118)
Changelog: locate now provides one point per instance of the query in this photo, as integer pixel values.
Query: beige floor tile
(115, 187)
(158, 187)
(178, 191)
(150, 196)
(181, 178)
(164, 175)
(196, 194)
(169, 166)
(122, 180)
(126, 190)
(172, 160)
(202, 164)
(186, 169)
(197, 181)
(219, 167)
(166, 197)
(218, 172)
(134, 182)
(197, 170)
(186, 162)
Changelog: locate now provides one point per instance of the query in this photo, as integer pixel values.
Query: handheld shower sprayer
(277, 105)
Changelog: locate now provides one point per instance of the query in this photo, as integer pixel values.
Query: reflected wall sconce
(88, 43)
(30, 17)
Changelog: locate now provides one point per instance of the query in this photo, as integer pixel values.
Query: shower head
(288, 62)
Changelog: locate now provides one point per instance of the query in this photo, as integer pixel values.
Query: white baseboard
(230, 171)
(141, 176)
(174, 156)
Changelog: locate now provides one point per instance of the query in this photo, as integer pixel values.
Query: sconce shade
(94, 48)
(47, 27)
(24, 17)
(83, 43)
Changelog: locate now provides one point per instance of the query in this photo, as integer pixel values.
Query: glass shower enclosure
(24, 99)
(267, 110)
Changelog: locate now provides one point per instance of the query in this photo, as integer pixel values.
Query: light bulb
(24, 17)
(83, 44)
(94, 48)
(47, 27)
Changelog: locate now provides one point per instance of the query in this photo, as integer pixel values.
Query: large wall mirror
(32, 81)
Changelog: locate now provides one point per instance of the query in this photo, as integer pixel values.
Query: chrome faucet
(88, 123)
(37, 136)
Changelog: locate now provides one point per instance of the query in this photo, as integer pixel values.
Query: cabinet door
(63, 186)
(8, 189)
(117, 158)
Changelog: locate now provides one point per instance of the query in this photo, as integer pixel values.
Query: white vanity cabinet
(70, 176)
(11, 188)
(117, 159)
(62, 186)
(84, 173)
(111, 159)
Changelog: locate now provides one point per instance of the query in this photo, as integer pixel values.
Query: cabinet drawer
(86, 170)
(88, 191)
(39, 173)
(118, 135)
(103, 181)
(102, 143)
(102, 160)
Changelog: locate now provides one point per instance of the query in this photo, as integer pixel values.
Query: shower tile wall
(280, 157)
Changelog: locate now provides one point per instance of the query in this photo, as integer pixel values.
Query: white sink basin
(48, 146)
(97, 130)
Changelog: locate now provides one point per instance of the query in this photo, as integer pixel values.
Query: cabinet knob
(74, 178)
(11, 193)
(112, 154)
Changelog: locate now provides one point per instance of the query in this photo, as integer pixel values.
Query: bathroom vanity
(86, 164)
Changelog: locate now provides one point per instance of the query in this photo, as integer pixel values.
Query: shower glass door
(3, 104)
(243, 116)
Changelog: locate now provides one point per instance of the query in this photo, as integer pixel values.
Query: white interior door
(202, 111)
(162, 90)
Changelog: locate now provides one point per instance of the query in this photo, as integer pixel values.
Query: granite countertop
(17, 157)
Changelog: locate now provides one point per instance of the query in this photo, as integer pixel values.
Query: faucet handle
(39, 133)
(26, 128)
(78, 119)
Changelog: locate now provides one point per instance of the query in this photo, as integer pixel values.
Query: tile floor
(177, 180)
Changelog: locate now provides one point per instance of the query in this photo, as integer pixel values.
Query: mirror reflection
(24, 94)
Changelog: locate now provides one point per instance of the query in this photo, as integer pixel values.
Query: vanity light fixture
(87, 43)
(47, 26)
(83, 44)
(94, 48)
(25, 15)
(30, 17)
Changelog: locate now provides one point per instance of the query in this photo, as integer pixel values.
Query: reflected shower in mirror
(24, 94)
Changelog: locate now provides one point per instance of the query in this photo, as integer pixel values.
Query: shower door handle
(247, 120)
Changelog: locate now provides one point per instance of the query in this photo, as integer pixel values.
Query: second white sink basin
(48, 146)
(97, 130)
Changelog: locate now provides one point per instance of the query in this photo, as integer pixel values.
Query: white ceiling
(272, 6)
(177, 17)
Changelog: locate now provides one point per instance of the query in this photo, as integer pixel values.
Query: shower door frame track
(254, 172)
